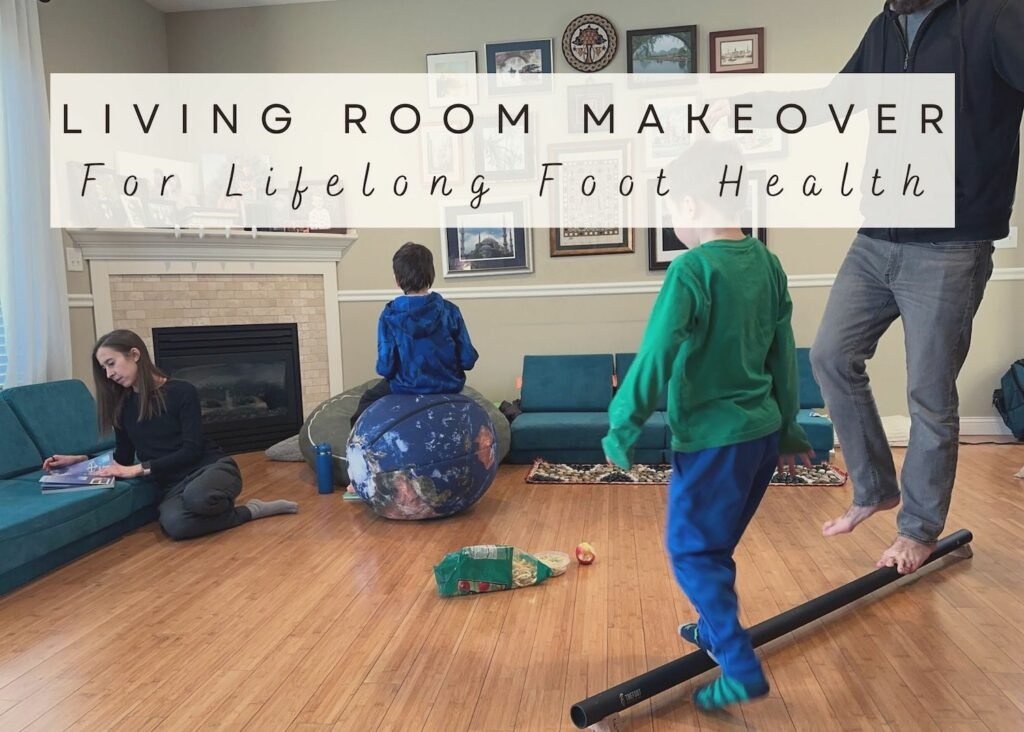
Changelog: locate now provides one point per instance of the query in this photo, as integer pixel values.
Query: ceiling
(181, 6)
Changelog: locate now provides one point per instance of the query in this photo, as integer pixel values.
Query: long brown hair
(110, 397)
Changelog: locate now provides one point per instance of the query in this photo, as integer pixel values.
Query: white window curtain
(3, 349)
(33, 288)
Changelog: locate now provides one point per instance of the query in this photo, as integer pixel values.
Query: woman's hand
(120, 471)
(62, 461)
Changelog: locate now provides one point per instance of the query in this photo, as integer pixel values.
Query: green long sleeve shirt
(720, 338)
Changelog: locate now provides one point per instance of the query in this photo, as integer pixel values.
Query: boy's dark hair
(414, 267)
(699, 169)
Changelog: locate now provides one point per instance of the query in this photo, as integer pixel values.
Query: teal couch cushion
(559, 431)
(547, 431)
(59, 416)
(33, 525)
(810, 392)
(622, 363)
(567, 383)
(18, 454)
(818, 430)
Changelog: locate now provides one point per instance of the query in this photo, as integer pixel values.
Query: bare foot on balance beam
(906, 555)
(854, 515)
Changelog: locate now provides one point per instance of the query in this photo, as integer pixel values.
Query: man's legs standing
(861, 307)
(938, 290)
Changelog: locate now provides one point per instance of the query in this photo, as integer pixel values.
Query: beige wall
(102, 36)
(393, 35)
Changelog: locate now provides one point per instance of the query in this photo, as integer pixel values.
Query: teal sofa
(564, 402)
(41, 532)
(818, 427)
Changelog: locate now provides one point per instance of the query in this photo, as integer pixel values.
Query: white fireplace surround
(191, 252)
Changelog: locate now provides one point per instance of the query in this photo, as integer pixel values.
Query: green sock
(724, 691)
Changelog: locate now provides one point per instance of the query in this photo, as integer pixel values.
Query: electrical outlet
(1010, 242)
(75, 261)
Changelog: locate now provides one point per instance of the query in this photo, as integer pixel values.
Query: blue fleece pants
(713, 494)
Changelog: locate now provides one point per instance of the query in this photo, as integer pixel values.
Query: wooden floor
(329, 619)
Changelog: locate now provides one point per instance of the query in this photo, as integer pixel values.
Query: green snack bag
(487, 568)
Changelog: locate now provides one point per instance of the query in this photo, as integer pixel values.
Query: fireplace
(247, 376)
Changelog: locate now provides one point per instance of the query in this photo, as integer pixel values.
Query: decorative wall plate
(589, 43)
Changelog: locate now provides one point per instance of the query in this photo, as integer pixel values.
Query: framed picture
(763, 142)
(506, 155)
(757, 201)
(441, 154)
(662, 243)
(737, 50)
(598, 96)
(493, 239)
(451, 78)
(660, 149)
(162, 213)
(600, 223)
(662, 50)
(519, 66)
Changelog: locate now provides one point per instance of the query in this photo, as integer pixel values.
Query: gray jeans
(936, 289)
(204, 502)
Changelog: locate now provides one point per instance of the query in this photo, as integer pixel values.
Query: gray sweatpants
(204, 502)
(936, 288)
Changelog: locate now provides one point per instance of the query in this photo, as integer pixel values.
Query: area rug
(545, 472)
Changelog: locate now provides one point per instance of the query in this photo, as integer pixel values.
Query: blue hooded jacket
(423, 346)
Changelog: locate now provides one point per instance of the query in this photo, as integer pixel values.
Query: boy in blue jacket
(423, 346)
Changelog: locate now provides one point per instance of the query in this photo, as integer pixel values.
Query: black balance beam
(593, 709)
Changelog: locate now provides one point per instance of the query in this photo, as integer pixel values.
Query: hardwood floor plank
(330, 620)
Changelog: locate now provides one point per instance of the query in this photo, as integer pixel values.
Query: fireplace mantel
(205, 245)
(193, 252)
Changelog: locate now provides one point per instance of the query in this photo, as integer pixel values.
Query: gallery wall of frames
(497, 241)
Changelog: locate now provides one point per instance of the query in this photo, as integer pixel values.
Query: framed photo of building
(493, 239)
(737, 51)
(599, 222)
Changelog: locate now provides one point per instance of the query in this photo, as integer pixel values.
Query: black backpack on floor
(1009, 399)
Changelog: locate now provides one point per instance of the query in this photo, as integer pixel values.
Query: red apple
(585, 553)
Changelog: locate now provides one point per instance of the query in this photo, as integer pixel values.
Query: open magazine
(79, 477)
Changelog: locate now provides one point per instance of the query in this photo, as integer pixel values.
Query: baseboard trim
(897, 428)
(983, 426)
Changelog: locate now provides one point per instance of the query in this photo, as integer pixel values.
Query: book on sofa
(79, 477)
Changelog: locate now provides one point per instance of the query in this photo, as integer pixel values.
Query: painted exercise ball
(424, 456)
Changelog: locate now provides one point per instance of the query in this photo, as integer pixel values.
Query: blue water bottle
(324, 468)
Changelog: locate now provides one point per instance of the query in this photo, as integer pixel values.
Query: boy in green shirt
(720, 337)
